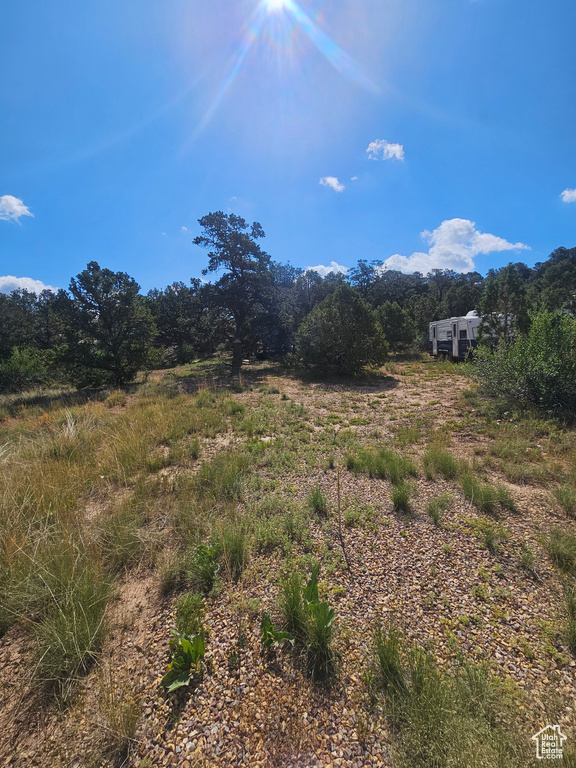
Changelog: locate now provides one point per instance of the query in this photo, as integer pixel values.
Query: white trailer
(455, 336)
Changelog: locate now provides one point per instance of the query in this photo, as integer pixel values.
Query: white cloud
(12, 208)
(184, 229)
(380, 149)
(569, 196)
(9, 283)
(323, 270)
(353, 178)
(333, 183)
(453, 245)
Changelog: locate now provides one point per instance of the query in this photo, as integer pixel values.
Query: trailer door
(434, 341)
(454, 339)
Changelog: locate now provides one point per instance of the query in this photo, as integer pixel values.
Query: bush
(537, 370)
(341, 335)
(23, 369)
(565, 495)
(202, 569)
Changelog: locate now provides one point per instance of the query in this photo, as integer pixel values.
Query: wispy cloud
(184, 229)
(12, 208)
(9, 283)
(333, 183)
(380, 149)
(569, 196)
(323, 270)
(453, 245)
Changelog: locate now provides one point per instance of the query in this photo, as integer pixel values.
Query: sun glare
(273, 6)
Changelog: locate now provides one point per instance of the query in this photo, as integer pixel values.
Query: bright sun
(273, 6)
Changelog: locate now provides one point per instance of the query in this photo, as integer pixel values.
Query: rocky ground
(441, 584)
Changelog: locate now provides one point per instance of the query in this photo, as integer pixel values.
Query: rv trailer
(454, 337)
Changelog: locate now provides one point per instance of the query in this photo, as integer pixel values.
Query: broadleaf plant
(187, 660)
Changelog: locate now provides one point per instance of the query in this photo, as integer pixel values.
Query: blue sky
(124, 122)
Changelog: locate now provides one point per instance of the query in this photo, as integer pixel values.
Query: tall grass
(70, 631)
(235, 547)
(56, 564)
(440, 462)
(382, 463)
(490, 499)
(562, 548)
(565, 495)
(445, 719)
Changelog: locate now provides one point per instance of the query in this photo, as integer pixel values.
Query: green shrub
(536, 370)
(319, 654)
(189, 613)
(341, 335)
(310, 623)
(271, 637)
(187, 660)
(25, 368)
(391, 675)
(293, 608)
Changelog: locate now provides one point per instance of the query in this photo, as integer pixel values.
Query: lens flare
(338, 58)
(273, 6)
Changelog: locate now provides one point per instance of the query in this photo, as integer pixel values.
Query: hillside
(473, 564)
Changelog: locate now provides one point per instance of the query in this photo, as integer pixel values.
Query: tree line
(102, 330)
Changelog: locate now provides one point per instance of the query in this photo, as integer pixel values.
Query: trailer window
(448, 334)
(463, 334)
(433, 331)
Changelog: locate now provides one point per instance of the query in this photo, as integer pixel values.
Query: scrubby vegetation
(273, 534)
